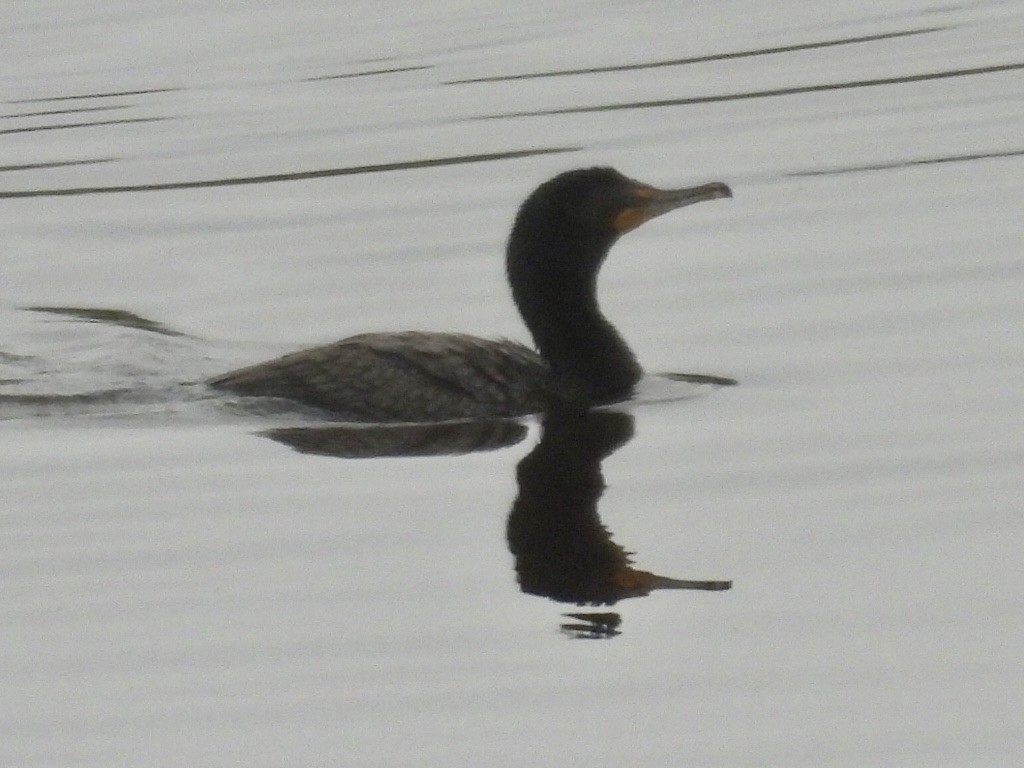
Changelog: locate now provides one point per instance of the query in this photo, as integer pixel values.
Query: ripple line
(73, 111)
(910, 163)
(56, 164)
(93, 124)
(365, 73)
(924, 77)
(701, 59)
(93, 96)
(294, 176)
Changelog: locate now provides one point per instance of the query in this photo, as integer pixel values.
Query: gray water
(184, 587)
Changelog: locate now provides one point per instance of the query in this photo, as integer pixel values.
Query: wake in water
(75, 362)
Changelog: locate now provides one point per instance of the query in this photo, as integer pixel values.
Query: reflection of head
(562, 549)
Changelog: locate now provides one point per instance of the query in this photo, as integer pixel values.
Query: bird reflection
(372, 441)
(562, 549)
(591, 625)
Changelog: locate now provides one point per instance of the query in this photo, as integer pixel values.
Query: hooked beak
(649, 202)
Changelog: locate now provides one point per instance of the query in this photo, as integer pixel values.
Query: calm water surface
(187, 189)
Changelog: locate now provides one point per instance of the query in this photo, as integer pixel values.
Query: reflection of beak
(635, 583)
(649, 202)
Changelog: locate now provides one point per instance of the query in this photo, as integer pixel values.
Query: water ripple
(292, 176)
(768, 93)
(701, 59)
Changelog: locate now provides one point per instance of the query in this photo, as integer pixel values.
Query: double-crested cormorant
(560, 238)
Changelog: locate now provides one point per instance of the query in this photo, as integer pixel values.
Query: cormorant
(559, 240)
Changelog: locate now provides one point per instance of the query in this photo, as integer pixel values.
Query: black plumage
(560, 238)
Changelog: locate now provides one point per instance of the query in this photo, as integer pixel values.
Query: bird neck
(589, 360)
